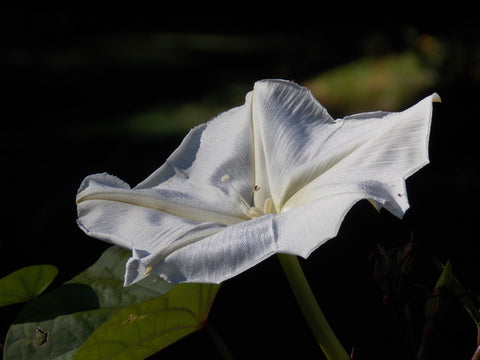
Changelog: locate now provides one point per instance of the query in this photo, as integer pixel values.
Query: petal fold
(375, 152)
(289, 128)
(219, 256)
(302, 154)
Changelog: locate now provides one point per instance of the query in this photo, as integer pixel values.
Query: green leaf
(466, 301)
(141, 330)
(450, 281)
(26, 284)
(446, 277)
(57, 323)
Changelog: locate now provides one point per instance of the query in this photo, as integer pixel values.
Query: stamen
(250, 211)
(253, 212)
(268, 206)
(238, 197)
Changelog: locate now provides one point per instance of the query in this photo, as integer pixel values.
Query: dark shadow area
(78, 84)
(66, 299)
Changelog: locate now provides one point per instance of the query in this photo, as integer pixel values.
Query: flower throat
(250, 211)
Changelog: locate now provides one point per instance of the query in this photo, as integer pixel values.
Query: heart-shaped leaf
(57, 323)
(26, 284)
(143, 329)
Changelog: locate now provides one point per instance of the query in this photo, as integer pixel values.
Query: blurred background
(89, 90)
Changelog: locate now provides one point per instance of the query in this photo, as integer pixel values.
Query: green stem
(331, 347)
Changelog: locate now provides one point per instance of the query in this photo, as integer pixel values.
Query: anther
(253, 212)
(268, 206)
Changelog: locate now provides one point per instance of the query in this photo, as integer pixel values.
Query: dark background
(75, 80)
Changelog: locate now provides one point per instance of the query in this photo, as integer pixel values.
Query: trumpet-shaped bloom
(275, 175)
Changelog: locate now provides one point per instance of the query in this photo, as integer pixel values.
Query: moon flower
(275, 175)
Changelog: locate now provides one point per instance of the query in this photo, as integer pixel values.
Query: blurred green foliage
(381, 83)
(388, 83)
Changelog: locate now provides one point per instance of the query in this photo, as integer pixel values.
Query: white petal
(373, 153)
(108, 189)
(239, 247)
(290, 128)
(302, 154)
(189, 184)
(219, 256)
(303, 229)
(148, 232)
(222, 148)
(183, 201)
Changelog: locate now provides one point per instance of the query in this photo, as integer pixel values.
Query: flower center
(250, 211)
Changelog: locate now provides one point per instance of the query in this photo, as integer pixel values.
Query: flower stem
(328, 342)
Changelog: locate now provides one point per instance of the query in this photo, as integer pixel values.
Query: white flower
(275, 175)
